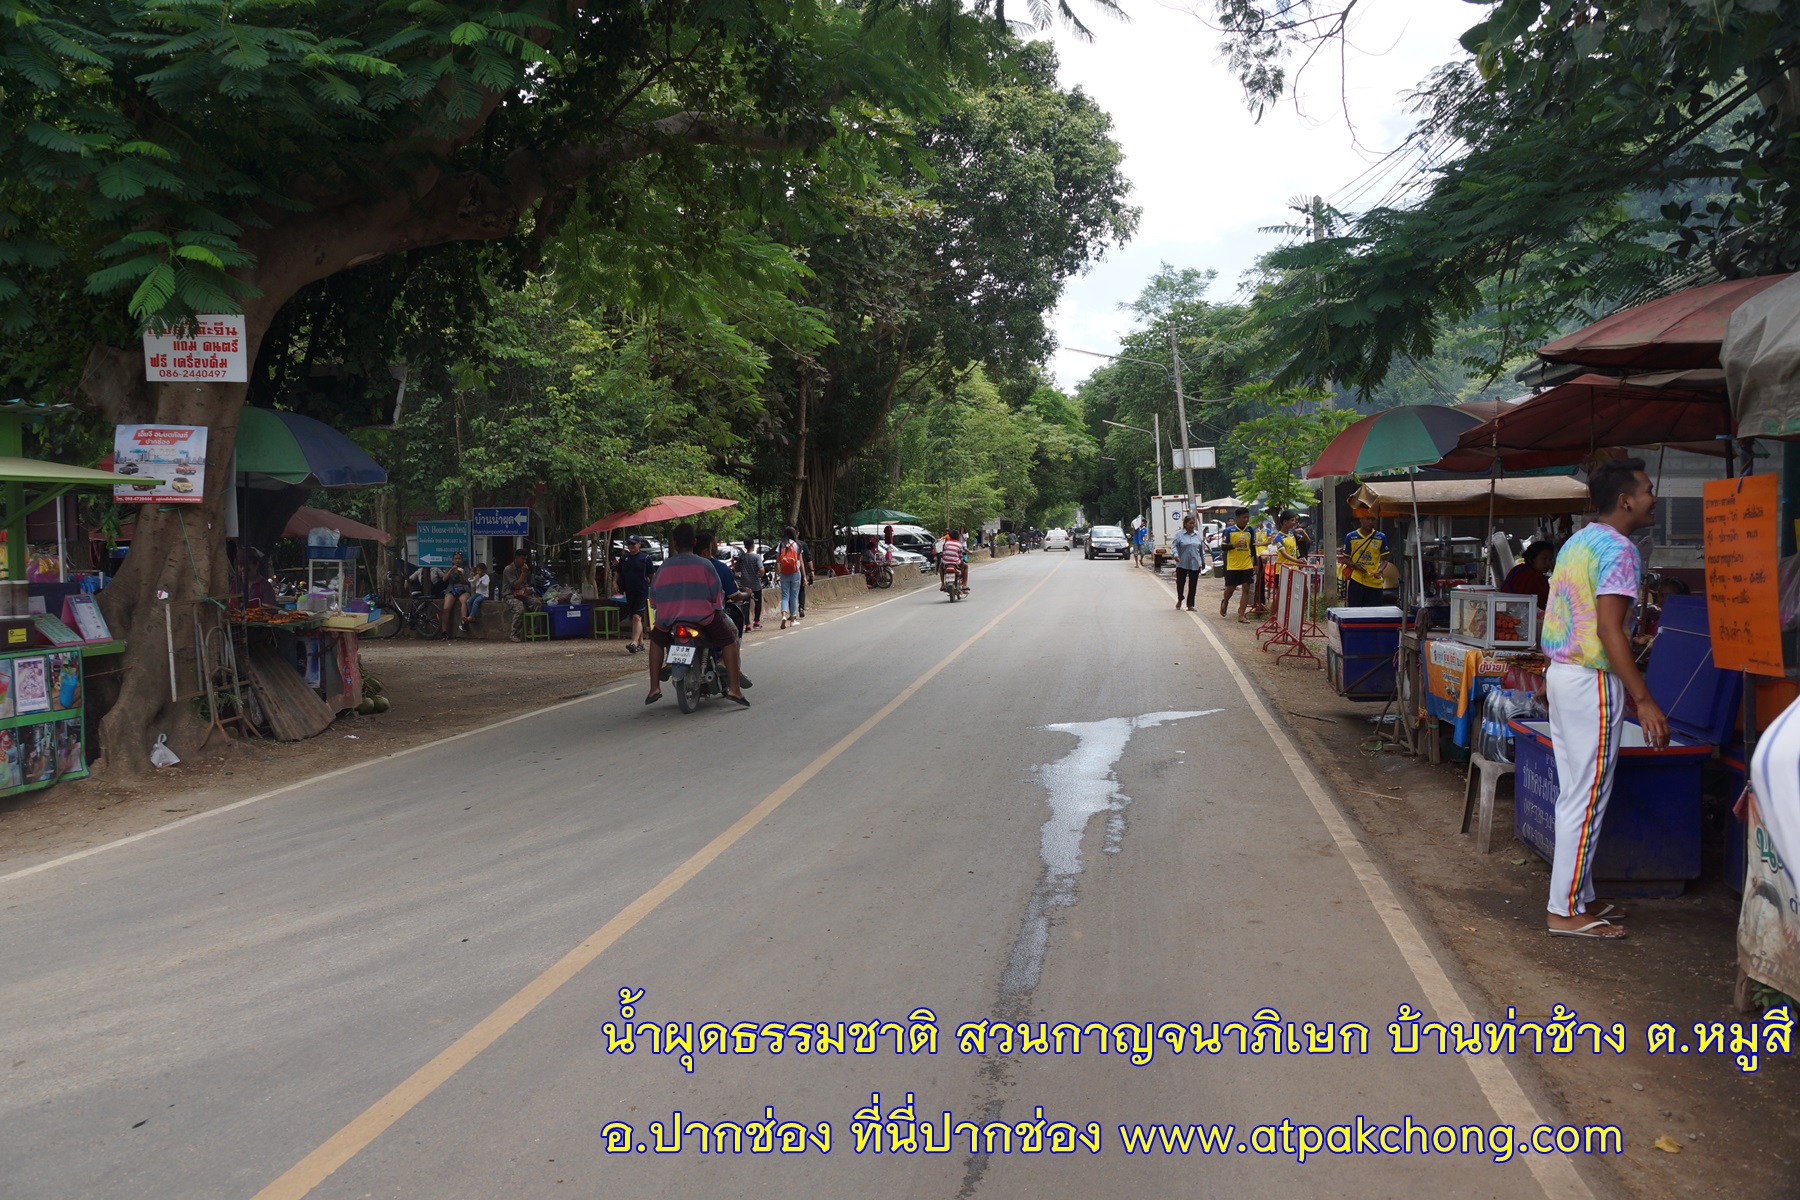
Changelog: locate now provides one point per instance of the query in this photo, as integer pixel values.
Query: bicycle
(421, 614)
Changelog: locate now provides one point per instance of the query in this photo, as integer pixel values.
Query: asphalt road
(1049, 803)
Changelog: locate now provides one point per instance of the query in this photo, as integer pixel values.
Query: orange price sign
(1743, 593)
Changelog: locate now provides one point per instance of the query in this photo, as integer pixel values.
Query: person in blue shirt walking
(1190, 560)
(1140, 537)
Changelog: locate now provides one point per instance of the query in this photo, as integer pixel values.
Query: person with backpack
(750, 570)
(788, 569)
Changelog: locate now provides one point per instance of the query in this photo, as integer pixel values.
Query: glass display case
(1493, 620)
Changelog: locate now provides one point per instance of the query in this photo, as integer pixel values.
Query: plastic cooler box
(570, 620)
(1650, 837)
(1360, 645)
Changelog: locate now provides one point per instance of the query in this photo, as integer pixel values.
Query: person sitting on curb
(635, 570)
(481, 590)
(687, 590)
(455, 614)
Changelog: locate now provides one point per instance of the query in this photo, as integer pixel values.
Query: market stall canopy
(1570, 422)
(1670, 334)
(1761, 354)
(663, 508)
(299, 450)
(45, 481)
(1537, 496)
(1411, 436)
(305, 520)
(883, 516)
(1224, 502)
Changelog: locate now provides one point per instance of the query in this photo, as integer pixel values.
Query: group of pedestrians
(789, 561)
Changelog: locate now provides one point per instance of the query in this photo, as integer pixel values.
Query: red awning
(1569, 422)
(665, 508)
(305, 520)
(1671, 334)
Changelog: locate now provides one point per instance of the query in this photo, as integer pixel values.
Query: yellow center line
(375, 1120)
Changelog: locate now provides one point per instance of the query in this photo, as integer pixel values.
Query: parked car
(1108, 539)
(1059, 539)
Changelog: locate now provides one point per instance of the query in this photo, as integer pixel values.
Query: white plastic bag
(160, 754)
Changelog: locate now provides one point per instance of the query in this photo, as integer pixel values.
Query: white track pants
(1587, 716)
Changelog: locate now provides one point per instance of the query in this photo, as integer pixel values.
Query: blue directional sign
(502, 522)
(438, 540)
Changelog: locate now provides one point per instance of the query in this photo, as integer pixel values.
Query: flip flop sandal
(743, 702)
(1609, 912)
(653, 697)
(1587, 931)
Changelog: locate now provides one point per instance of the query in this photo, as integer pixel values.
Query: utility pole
(1187, 459)
(1328, 523)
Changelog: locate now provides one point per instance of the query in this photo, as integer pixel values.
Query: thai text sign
(167, 463)
(438, 540)
(1743, 601)
(208, 348)
(502, 522)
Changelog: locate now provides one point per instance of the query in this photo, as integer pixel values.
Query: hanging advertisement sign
(1743, 567)
(210, 348)
(168, 461)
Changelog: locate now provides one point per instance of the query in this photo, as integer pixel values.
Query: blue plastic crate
(570, 620)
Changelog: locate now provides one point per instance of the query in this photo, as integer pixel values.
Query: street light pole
(1155, 433)
(1187, 459)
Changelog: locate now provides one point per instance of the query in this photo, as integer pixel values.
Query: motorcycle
(951, 584)
(878, 574)
(693, 668)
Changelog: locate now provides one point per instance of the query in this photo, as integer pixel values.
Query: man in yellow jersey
(1239, 545)
(1287, 546)
(1365, 552)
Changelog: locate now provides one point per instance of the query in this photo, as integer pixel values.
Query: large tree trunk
(177, 561)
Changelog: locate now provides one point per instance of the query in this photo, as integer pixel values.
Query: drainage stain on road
(1081, 785)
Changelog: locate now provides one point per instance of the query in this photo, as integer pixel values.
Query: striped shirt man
(686, 589)
(952, 553)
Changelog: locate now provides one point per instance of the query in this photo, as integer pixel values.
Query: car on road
(1059, 539)
(1108, 539)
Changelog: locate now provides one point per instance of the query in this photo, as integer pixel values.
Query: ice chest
(1650, 838)
(570, 620)
(1360, 645)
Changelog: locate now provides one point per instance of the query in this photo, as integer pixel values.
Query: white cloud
(1207, 175)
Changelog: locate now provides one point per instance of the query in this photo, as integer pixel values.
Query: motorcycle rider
(687, 589)
(953, 556)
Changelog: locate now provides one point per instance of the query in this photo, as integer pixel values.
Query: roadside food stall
(49, 634)
(1760, 355)
(289, 668)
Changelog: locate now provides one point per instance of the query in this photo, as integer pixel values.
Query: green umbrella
(1412, 436)
(882, 516)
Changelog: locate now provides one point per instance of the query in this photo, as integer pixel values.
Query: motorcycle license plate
(681, 655)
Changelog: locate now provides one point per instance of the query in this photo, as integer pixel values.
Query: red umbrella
(1671, 334)
(1569, 422)
(665, 508)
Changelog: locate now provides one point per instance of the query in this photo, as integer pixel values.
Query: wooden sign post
(1743, 591)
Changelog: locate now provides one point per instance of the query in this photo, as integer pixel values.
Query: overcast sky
(1206, 175)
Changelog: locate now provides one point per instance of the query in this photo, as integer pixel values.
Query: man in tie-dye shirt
(1591, 671)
